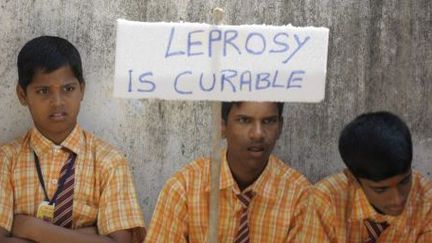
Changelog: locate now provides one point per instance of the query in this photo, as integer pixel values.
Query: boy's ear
(82, 87)
(223, 129)
(21, 95)
(280, 126)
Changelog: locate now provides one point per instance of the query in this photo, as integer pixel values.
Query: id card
(46, 211)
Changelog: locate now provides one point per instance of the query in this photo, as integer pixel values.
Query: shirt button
(56, 148)
(54, 181)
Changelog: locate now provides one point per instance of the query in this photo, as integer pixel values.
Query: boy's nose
(256, 133)
(57, 99)
(398, 197)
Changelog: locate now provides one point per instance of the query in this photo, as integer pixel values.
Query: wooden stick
(215, 168)
(215, 161)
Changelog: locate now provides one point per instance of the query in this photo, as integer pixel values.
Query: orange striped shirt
(338, 208)
(181, 213)
(104, 194)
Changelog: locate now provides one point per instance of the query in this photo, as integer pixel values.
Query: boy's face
(54, 101)
(251, 130)
(390, 195)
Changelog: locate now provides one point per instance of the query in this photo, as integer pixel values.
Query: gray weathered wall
(380, 58)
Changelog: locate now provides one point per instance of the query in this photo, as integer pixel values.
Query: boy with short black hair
(261, 198)
(379, 198)
(60, 183)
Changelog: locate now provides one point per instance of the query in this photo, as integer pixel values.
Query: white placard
(191, 61)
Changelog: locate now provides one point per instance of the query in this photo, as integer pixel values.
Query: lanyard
(71, 161)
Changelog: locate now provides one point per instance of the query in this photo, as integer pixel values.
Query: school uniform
(102, 189)
(339, 211)
(266, 211)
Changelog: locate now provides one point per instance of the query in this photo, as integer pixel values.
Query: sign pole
(215, 160)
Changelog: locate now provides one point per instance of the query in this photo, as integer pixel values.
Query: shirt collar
(42, 145)
(226, 179)
(263, 186)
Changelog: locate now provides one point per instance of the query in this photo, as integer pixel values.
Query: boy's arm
(426, 233)
(426, 237)
(6, 200)
(169, 221)
(32, 228)
(88, 230)
(119, 210)
(5, 237)
(318, 221)
(296, 225)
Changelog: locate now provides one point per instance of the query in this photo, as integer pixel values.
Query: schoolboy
(259, 195)
(379, 198)
(60, 183)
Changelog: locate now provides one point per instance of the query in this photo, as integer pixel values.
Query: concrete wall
(380, 58)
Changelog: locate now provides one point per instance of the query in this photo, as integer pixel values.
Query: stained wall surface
(380, 58)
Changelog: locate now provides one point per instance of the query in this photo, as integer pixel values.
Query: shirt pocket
(84, 214)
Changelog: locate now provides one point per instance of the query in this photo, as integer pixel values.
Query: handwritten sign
(190, 61)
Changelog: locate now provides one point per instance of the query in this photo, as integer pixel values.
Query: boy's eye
(379, 190)
(69, 88)
(42, 91)
(243, 120)
(269, 121)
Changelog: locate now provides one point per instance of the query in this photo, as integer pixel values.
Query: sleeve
(170, 219)
(425, 237)
(426, 234)
(299, 216)
(317, 221)
(6, 193)
(118, 204)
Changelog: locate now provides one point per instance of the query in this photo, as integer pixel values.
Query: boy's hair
(376, 146)
(226, 108)
(47, 54)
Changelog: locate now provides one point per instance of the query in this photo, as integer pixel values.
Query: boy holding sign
(379, 198)
(60, 183)
(261, 198)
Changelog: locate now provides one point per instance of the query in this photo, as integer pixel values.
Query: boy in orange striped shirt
(260, 196)
(379, 198)
(60, 183)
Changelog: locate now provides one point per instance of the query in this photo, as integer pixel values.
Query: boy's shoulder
(423, 190)
(98, 144)
(333, 195)
(283, 171)
(100, 149)
(12, 148)
(334, 186)
(197, 170)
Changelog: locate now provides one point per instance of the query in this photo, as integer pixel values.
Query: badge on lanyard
(46, 211)
(46, 208)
